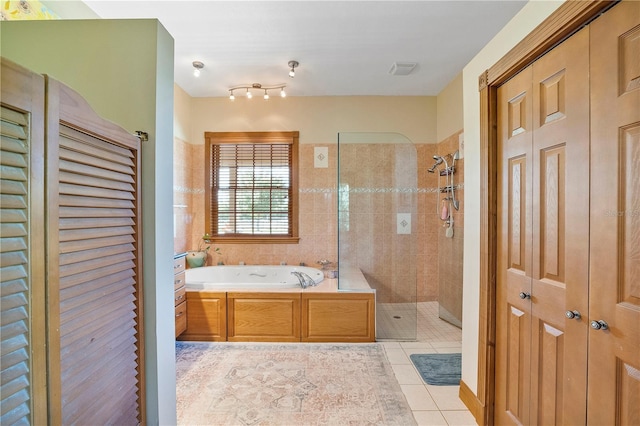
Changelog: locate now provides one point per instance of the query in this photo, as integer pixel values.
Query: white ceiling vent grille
(402, 68)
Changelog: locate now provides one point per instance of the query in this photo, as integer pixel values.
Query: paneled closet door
(614, 351)
(560, 275)
(95, 327)
(514, 260)
(23, 387)
(543, 220)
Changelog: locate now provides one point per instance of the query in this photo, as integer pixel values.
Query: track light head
(293, 65)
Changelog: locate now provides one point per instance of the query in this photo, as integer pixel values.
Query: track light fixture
(257, 86)
(293, 65)
(197, 66)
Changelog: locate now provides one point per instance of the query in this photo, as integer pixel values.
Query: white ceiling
(344, 47)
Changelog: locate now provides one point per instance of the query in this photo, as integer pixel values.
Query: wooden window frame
(566, 20)
(221, 138)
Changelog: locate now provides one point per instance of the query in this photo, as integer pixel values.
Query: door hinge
(144, 136)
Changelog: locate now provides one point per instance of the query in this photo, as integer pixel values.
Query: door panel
(543, 205)
(614, 354)
(23, 387)
(95, 326)
(513, 329)
(560, 242)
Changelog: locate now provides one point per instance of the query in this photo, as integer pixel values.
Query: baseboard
(472, 402)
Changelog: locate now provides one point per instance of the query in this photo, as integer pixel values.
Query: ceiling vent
(402, 68)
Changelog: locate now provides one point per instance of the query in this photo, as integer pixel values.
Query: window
(252, 187)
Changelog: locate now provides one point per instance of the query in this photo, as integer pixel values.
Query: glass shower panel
(377, 223)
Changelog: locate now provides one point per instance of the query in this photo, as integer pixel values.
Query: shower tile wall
(382, 183)
(429, 226)
(450, 250)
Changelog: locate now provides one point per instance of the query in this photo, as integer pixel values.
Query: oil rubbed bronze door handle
(524, 295)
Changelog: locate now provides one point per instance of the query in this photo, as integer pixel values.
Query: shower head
(437, 163)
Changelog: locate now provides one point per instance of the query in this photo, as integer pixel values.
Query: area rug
(439, 369)
(287, 384)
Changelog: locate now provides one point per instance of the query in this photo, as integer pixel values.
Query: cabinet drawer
(180, 296)
(181, 318)
(178, 280)
(178, 265)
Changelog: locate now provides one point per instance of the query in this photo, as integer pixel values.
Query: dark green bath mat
(439, 369)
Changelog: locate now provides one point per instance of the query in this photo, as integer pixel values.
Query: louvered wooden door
(543, 252)
(71, 297)
(614, 353)
(93, 265)
(23, 394)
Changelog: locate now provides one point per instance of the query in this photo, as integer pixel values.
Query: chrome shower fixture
(437, 163)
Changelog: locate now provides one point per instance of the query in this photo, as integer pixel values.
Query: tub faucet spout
(303, 283)
(304, 279)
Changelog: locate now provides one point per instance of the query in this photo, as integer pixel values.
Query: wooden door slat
(97, 162)
(97, 172)
(67, 259)
(12, 173)
(79, 245)
(91, 212)
(72, 135)
(79, 201)
(8, 144)
(74, 178)
(125, 275)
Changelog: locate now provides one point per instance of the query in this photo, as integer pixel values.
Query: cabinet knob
(524, 295)
(573, 315)
(599, 325)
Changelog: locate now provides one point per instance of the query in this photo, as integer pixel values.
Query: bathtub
(268, 304)
(261, 278)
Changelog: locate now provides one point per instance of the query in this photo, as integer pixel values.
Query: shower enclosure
(377, 222)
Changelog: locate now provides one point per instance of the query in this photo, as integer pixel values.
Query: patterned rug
(287, 384)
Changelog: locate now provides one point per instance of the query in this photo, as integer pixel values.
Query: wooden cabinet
(263, 317)
(180, 300)
(207, 313)
(244, 316)
(338, 317)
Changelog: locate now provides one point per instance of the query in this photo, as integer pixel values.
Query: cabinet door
(23, 397)
(614, 295)
(263, 317)
(206, 316)
(94, 275)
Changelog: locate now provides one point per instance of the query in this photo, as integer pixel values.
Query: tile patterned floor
(431, 405)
